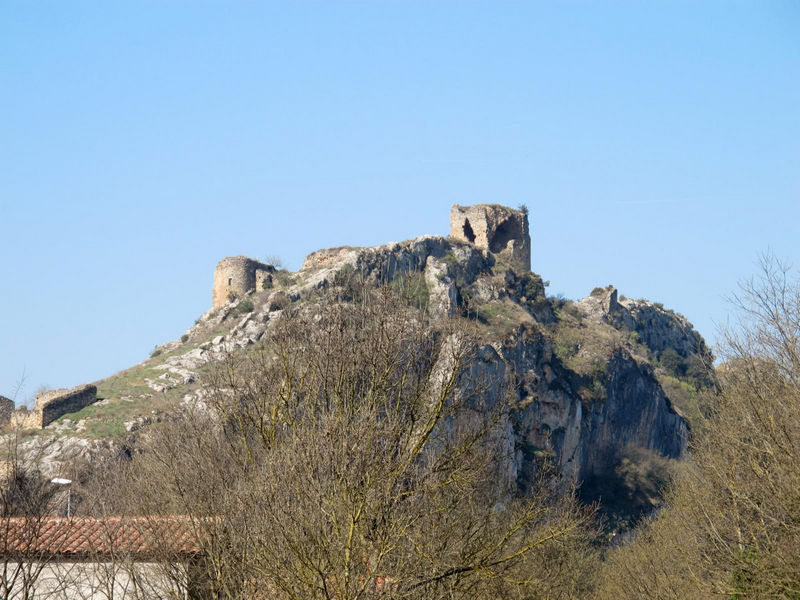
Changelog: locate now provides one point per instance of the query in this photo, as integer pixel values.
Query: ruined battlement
(6, 409)
(235, 276)
(496, 228)
(52, 404)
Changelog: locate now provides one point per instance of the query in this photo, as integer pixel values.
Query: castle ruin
(236, 276)
(6, 409)
(496, 228)
(52, 404)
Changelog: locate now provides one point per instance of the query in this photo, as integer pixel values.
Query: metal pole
(67, 482)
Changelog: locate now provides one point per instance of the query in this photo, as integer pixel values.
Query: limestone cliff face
(583, 379)
(579, 403)
(585, 437)
(581, 418)
(636, 412)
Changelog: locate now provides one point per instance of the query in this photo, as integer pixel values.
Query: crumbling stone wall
(495, 228)
(6, 408)
(53, 404)
(238, 275)
(22, 418)
(56, 403)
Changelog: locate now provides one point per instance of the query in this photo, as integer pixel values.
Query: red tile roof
(88, 537)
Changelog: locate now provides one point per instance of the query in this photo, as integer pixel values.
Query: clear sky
(656, 144)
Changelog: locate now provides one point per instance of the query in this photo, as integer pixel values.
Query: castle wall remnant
(53, 404)
(495, 228)
(238, 275)
(6, 408)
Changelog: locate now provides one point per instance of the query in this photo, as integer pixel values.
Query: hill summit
(593, 383)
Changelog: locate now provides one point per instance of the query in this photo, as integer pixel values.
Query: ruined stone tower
(496, 228)
(237, 275)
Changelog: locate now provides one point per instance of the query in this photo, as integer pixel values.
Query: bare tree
(362, 453)
(732, 529)
(26, 501)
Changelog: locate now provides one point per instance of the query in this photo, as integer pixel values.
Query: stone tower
(499, 229)
(237, 275)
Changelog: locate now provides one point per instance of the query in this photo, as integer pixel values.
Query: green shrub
(571, 310)
(412, 288)
(686, 399)
(279, 301)
(156, 352)
(558, 301)
(566, 343)
(672, 362)
(531, 286)
(282, 278)
(450, 260)
(244, 307)
(185, 338)
(600, 291)
(349, 283)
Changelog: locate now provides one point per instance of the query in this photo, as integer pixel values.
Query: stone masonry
(6, 408)
(53, 404)
(496, 228)
(236, 276)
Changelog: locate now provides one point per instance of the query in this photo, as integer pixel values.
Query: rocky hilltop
(589, 380)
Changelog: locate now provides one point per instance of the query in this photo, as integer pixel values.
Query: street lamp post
(67, 482)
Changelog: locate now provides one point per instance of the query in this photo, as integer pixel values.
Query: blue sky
(656, 144)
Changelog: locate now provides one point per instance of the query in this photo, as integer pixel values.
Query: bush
(370, 448)
(412, 288)
(185, 338)
(244, 307)
(600, 291)
(532, 287)
(631, 486)
(156, 352)
(672, 362)
(567, 343)
(731, 526)
(278, 301)
(282, 278)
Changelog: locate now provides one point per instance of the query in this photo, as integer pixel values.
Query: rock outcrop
(585, 435)
(584, 378)
(581, 418)
(657, 328)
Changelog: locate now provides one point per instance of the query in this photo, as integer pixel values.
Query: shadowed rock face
(635, 413)
(585, 436)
